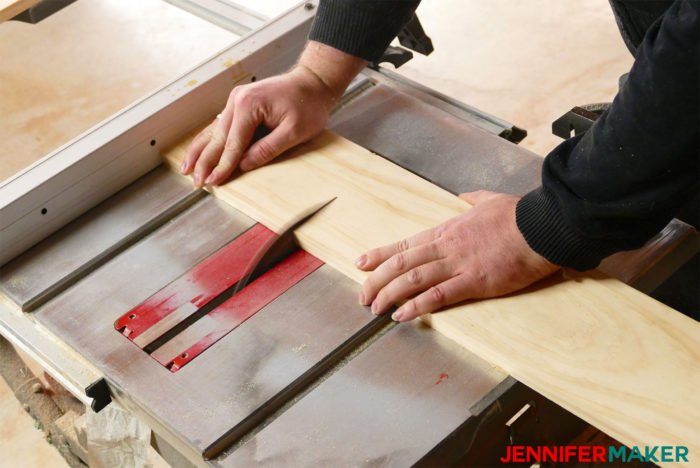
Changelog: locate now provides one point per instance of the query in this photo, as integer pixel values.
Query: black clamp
(100, 394)
(413, 37)
(578, 120)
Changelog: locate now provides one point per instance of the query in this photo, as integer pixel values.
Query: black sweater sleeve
(363, 28)
(615, 186)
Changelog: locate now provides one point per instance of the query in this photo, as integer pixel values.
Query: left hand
(477, 254)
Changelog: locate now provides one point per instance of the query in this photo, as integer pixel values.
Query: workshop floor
(21, 443)
(527, 62)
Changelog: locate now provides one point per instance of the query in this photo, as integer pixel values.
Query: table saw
(125, 276)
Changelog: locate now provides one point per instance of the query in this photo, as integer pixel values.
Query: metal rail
(46, 196)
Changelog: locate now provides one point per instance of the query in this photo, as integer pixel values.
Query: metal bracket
(413, 37)
(100, 394)
(396, 56)
(578, 120)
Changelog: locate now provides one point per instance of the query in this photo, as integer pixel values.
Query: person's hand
(477, 254)
(294, 106)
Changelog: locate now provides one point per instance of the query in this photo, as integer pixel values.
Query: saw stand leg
(53, 409)
(112, 437)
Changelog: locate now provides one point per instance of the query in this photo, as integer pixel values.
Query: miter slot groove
(356, 87)
(118, 247)
(306, 382)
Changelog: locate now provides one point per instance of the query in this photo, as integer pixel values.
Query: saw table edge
(613, 356)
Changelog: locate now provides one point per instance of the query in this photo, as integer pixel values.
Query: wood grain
(81, 65)
(615, 357)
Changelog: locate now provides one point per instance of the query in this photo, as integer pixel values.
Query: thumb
(474, 198)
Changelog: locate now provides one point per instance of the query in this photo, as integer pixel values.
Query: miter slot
(84, 245)
(422, 386)
(333, 361)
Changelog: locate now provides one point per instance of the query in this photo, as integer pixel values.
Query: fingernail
(362, 299)
(198, 181)
(183, 166)
(360, 262)
(210, 179)
(397, 316)
(375, 308)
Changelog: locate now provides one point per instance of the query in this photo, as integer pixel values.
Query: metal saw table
(308, 377)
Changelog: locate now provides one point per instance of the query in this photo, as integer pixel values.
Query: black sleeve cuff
(363, 28)
(542, 224)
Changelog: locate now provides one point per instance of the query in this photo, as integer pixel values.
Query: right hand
(294, 106)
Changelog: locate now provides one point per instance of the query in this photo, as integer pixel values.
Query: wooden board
(613, 356)
(76, 68)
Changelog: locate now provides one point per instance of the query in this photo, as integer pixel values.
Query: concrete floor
(527, 62)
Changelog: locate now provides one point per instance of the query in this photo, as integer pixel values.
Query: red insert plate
(193, 290)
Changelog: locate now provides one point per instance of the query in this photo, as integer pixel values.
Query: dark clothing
(363, 28)
(635, 17)
(622, 181)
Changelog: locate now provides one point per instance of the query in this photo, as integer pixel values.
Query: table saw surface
(311, 376)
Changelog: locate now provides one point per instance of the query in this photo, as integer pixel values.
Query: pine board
(622, 361)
